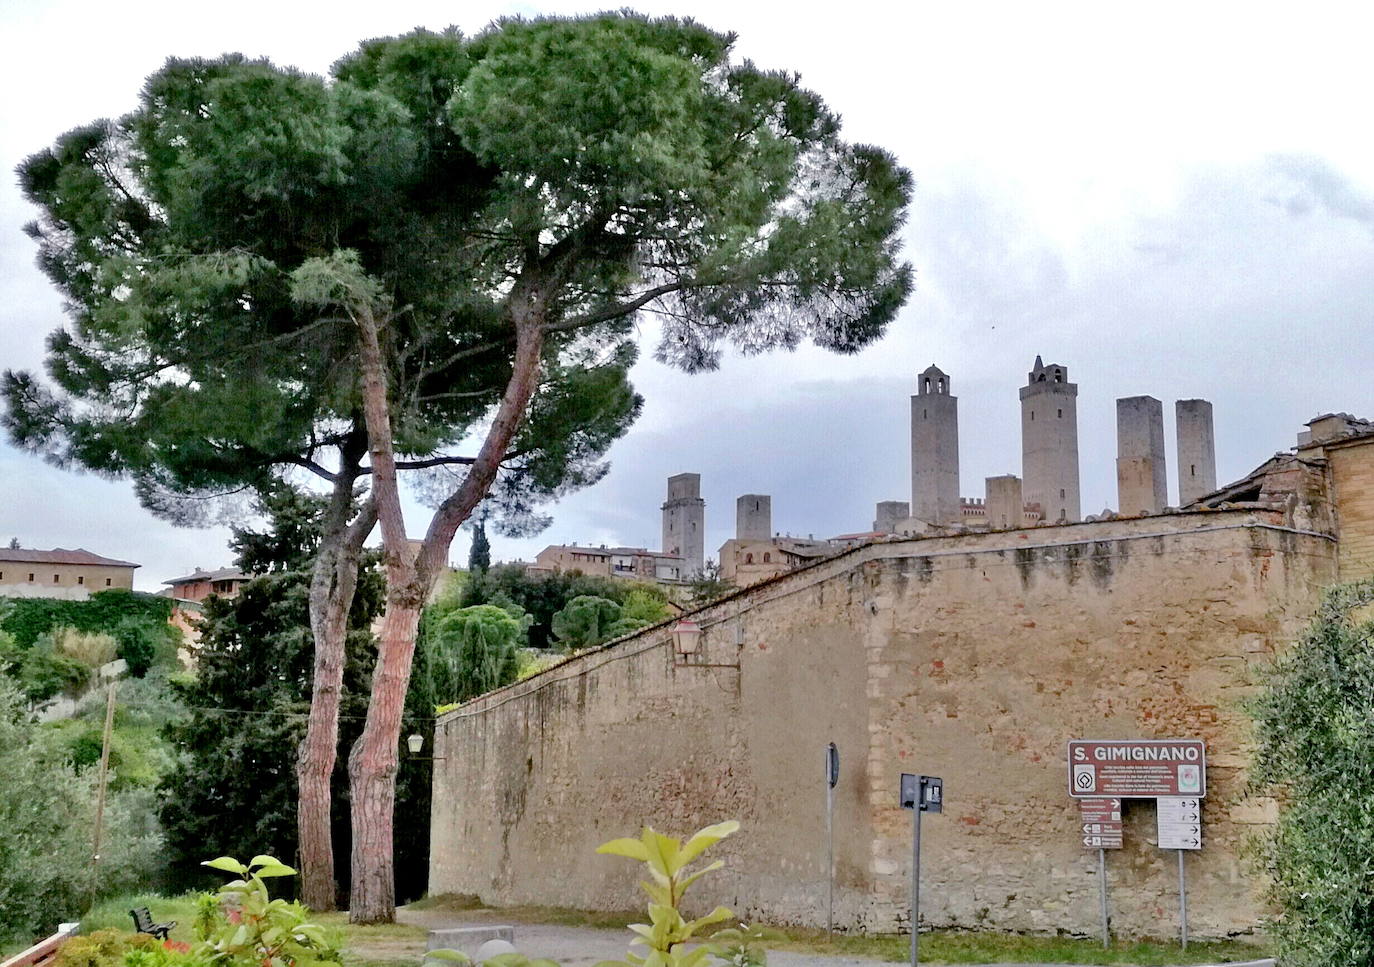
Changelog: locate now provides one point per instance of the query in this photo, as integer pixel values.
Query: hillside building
(61, 573)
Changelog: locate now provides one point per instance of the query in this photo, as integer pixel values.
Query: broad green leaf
(279, 869)
(262, 859)
(658, 892)
(689, 880)
(228, 864)
(631, 848)
(706, 838)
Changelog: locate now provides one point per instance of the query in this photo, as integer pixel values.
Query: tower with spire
(1049, 442)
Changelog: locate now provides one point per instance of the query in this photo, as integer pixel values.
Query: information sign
(1180, 822)
(1100, 823)
(1137, 768)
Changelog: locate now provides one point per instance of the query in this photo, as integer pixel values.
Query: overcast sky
(1170, 199)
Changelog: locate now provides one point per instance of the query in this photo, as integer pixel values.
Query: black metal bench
(143, 923)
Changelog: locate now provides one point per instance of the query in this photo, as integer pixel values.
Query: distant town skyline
(1180, 213)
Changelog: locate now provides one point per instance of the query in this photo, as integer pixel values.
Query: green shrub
(1315, 731)
(103, 948)
(90, 648)
(27, 618)
(44, 674)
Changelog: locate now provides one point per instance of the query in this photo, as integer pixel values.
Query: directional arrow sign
(1180, 825)
(1101, 822)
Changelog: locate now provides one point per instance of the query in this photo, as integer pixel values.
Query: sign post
(832, 776)
(920, 794)
(1101, 826)
(1173, 772)
(1179, 821)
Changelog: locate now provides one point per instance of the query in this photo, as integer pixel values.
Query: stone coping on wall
(1155, 526)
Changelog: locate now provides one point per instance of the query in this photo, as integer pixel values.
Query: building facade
(61, 573)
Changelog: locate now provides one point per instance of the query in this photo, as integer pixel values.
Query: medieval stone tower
(754, 517)
(934, 450)
(1197, 450)
(684, 522)
(1142, 484)
(1049, 442)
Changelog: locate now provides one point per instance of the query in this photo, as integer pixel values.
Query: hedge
(27, 618)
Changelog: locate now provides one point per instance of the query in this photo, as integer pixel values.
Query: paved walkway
(584, 946)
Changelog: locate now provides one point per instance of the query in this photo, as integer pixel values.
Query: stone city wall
(974, 658)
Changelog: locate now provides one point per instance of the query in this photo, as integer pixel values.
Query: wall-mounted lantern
(686, 638)
(415, 743)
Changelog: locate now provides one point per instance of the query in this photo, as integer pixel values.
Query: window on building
(107, 582)
(767, 558)
(57, 579)
(81, 579)
(1061, 493)
(748, 559)
(1032, 416)
(30, 576)
(1061, 414)
(1192, 470)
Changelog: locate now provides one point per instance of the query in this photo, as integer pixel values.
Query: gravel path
(584, 946)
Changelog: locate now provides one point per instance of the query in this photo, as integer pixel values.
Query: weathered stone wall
(1352, 474)
(974, 658)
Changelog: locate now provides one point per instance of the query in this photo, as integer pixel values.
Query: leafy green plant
(744, 945)
(1315, 750)
(255, 930)
(666, 860)
(103, 948)
(585, 621)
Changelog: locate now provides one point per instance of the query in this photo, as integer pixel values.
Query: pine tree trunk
(332, 587)
(372, 766)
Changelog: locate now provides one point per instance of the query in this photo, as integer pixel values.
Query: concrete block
(467, 939)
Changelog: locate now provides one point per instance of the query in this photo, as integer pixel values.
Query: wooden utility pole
(100, 797)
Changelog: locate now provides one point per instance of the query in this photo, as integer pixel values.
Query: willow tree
(478, 223)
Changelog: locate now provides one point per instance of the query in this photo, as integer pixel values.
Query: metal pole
(1102, 888)
(916, 878)
(100, 796)
(1182, 903)
(829, 850)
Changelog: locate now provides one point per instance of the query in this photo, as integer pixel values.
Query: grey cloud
(1315, 182)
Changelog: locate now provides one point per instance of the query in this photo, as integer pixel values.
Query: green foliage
(708, 585)
(294, 523)
(46, 810)
(612, 163)
(246, 927)
(470, 651)
(542, 597)
(102, 948)
(479, 554)
(665, 861)
(89, 648)
(232, 789)
(145, 644)
(27, 618)
(1315, 730)
(585, 621)
(43, 674)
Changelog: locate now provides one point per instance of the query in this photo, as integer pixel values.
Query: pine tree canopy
(215, 245)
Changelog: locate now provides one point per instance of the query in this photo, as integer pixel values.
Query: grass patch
(376, 944)
(448, 902)
(113, 913)
(967, 947)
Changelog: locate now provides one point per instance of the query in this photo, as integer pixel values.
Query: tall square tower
(1049, 442)
(684, 523)
(934, 449)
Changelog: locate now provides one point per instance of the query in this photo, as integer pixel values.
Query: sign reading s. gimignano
(1137, 768)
